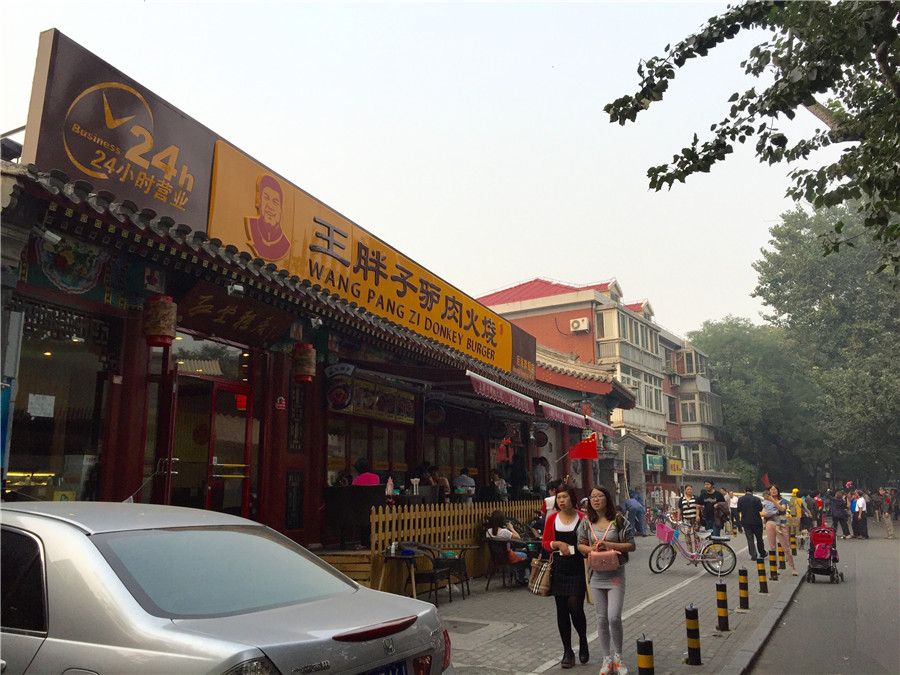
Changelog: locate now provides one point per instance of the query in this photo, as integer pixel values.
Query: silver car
(92, 587)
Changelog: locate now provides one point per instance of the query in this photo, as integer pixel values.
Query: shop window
(59, 409)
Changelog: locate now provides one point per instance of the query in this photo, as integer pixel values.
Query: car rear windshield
(208, 572)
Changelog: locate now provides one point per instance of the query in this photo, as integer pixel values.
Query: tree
(845, 52)
(845, 320)
(766, 395)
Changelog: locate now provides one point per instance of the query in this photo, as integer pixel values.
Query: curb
(744, 659)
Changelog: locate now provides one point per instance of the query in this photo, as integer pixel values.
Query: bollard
(692, 621)
(773, 567)
(761, 573)
(722, 607)
(744, 589)
(645, 656)
(794, 545)
(781, 563)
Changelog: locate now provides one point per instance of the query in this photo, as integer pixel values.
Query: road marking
(634, 610)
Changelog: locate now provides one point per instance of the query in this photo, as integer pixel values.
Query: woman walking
(567, 584)
(774, 508)
(603, 530)
(839, 514)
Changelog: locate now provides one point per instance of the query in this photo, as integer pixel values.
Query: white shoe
(607, 667)
(619, 665)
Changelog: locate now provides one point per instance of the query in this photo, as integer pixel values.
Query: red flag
(765, 479)
(586, 449)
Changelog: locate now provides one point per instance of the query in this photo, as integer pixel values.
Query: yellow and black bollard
(761, 573)
(743, 590)
(722, 607)
(692, 620)
(794, 545)
(781, 563)
(645, 656)
(773, 566)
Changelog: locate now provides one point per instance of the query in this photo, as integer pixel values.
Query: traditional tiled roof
(565, 364)
(537, 288)
(99, 217)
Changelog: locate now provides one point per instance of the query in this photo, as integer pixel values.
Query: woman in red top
(567, 584)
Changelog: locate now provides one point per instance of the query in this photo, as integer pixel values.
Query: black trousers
(756, 547)
(844, 529)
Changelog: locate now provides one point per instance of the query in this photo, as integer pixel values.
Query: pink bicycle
(716, 556)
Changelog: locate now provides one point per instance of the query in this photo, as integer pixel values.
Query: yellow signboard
(254, 209)
(674, 467)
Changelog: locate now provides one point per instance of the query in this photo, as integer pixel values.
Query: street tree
(845, 321)
(766, 397)
(837, 60)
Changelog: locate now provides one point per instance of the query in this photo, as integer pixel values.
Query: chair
(439, 570)
(499, 560)
(459, 571)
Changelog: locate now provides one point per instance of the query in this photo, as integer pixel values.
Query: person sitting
(365, 477)
(499, 529)
(464, 484)
(440, 481)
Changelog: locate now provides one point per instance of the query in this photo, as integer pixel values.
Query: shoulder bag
(602, 561)
(539, 579)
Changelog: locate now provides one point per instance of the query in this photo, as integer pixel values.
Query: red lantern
(160, 314)
(303, 362)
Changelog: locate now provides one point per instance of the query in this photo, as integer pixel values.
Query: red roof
(636, 307)
(534, 289)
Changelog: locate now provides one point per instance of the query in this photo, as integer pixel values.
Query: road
(852, 627)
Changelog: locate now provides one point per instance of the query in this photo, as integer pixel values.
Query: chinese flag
(765, 479)
(586, 449)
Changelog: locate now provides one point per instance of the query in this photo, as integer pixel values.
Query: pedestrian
(636, 515)
(499, 485)
(839, 514)
(549, 505)
(541, 473)
(602, 530)
(774, 509)
(860, 517)
(709, 498)
(886, 510)
(814, 504)
(567, 582)
(733, 500)
(749, 508)
(794, 513)
(689, 514)
(806, 513)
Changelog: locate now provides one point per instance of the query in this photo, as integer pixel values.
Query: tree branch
(889, 77)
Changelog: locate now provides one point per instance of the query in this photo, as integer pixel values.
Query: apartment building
(675, 415)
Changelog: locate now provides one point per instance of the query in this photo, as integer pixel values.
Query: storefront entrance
(214, 443)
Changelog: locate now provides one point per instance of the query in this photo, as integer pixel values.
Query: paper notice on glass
(40, 405)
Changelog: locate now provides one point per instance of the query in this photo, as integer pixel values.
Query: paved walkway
(503, 631)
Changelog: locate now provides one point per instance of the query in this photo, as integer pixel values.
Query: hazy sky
(471, 137)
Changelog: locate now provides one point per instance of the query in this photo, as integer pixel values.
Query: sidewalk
(505, 631)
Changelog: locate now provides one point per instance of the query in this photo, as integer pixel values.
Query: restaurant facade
(183, 326)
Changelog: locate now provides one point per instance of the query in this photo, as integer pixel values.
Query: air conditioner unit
(577, 325)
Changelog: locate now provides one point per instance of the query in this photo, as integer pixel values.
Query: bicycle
(717, 557)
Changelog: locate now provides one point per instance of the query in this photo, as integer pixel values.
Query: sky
(471, 136)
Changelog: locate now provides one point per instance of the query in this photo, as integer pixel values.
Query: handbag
(539, 579)
(603, 561)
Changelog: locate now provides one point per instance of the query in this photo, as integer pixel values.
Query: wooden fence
(433, 524)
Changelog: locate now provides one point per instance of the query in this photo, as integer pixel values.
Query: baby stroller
(823, 555)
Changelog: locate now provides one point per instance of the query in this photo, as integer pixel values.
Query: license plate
(397, 668)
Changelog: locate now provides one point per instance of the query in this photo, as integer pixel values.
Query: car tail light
(422, 665)
(260, 666)
(446, 663)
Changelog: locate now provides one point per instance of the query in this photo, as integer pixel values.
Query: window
(689, 362)
(24, 606)
(672, 409)
(688, 411)
(653, 392)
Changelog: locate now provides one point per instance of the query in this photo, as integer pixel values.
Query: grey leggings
(609, 602)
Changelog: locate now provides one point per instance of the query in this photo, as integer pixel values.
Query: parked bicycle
(715, 555)
(654, 516)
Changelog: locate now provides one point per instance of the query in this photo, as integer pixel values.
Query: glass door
(212, 446)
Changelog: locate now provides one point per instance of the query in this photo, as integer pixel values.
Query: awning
(600, 427)
(501, 394)
(573, 419)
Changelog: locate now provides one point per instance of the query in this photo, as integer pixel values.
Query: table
(454, 557)
(409, 559)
